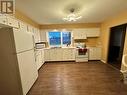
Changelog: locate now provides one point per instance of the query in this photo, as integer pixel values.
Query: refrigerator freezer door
(23, 41)
(28, 70)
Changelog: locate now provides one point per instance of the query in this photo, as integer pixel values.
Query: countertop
(65, 48)
(60, 48)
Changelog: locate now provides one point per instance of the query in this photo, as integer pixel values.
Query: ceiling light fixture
(72, 16)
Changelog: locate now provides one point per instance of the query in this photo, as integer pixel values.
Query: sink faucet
(68, 44)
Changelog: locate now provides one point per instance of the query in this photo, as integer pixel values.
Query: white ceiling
(52, 11)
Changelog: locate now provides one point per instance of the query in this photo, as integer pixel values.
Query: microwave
(40, 45)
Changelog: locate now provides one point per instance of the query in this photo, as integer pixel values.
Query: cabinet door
(53, 54)
(93, 32)
(68, 54)
(39, 38)
(3, 20)
(58, 54)
(36, 35)
(12, 22)
(92, 54)
(43, 36)
(46, 55)
(30, 28)
(73, 54)
(83, 35)
(65, 54)
(23, 27)
(79, 34)
(98, 53)
(69, 51)
(76, 34)
(39, 60)
(43, 60)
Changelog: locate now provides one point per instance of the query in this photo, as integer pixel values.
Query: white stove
(81, 53)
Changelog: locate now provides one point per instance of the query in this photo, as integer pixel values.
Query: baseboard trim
(103, 61)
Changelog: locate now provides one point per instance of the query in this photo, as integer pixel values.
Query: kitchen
(64, 52)
(70, 53)
(28, 38)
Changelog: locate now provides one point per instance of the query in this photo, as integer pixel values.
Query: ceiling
(52, 11)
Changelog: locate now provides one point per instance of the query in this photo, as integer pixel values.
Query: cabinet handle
(4, 21)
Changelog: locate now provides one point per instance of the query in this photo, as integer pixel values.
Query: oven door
(81, 52)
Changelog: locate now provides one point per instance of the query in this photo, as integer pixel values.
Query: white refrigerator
(18, 61)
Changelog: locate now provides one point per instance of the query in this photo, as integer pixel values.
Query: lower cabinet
(68, 54)
(39, 58)
(46, 54)
(59, 54)
(94, 53)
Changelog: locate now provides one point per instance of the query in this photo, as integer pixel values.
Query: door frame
(110, 37)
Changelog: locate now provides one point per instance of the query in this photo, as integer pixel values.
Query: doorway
(116, 45)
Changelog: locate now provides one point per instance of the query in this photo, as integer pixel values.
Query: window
(54, 38)
(59, 38)
(66, 38)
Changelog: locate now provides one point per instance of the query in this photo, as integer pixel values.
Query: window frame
(61, 45)
(49, 40)
(65, 45)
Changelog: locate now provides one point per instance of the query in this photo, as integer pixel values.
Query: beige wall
(92, 41)
(19, 15)
(105, 32)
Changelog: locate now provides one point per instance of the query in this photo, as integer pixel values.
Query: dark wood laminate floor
(116, 64)
(70, 78)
